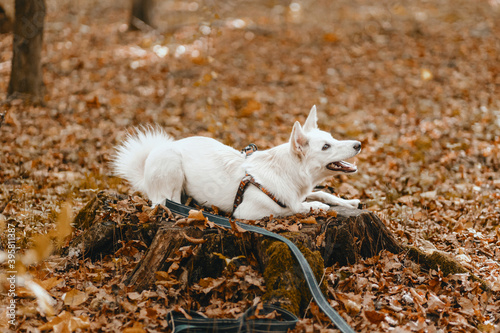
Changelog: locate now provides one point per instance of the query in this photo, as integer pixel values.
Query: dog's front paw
(354, 203)
(315, 205)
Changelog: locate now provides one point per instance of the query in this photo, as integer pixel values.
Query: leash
(246, 323)
(318, 296)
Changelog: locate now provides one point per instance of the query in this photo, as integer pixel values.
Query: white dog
(278, 181)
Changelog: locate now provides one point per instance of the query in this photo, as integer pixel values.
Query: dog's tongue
(342, 166)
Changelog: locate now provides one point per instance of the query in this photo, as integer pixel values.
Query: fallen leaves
(194, 219)
(194, 240)
(309, 220)
(74, 297)
(393, 76)
(374, 317)
(236, 228)
(137, 328)
(427, 302)
(65, 322)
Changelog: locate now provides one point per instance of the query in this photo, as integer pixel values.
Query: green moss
(439, 260)
(87, 214)
(447, 264)
(284, 279)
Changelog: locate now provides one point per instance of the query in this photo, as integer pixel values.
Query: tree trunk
(140, 17)
(26, 79)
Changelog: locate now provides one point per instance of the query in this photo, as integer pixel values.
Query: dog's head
(321, 153)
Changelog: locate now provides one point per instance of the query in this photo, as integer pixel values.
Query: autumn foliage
(417, 82)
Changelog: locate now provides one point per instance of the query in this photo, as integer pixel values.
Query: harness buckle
(250, 149)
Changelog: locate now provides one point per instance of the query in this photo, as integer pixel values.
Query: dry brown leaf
(352, 303)
(133, 295)
(236, 228)
(162, 275)
(406, 199)
(434, 303)
(374, 317)
(330, 37)
(65, 322)
(332, 213)
(346, 188)
(173, 267)
(320, 240)
(143, 217)
(196, 215)
(50, 283)
(194, 240)
(137, 328)
(309, 220)
(140, 201)
(94, 103)
(165, 279)
(251, 106)
(181, 310)
(74, 297)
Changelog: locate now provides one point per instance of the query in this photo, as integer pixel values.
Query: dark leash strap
(246, 323)
(318, 296)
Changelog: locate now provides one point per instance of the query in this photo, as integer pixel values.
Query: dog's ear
(311, 121)
(298, 140)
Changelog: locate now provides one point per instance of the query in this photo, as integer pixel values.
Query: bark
(103, 228)
(26, 79)
(169, 239)
(140, 17)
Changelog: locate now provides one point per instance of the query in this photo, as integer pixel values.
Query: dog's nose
(357, 146)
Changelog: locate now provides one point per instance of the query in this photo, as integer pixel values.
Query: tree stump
(341, 236)
(106, 220)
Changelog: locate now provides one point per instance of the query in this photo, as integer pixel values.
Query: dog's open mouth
(342, 166)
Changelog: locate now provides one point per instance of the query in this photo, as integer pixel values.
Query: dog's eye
(326, 146)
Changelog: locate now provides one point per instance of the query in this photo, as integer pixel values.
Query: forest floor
(417, 82)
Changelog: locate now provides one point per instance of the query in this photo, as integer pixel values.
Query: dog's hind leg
(164, 176)
(332, 199)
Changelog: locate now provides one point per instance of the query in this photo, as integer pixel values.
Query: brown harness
(248, 179)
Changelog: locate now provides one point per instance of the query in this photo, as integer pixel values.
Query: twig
(312, 298)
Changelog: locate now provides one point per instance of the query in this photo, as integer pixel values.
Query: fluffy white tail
(128, 161)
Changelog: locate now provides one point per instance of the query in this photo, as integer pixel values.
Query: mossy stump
(341, 237)
(107, 219)
(285, 283)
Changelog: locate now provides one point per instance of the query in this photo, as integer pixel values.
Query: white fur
(210, 172)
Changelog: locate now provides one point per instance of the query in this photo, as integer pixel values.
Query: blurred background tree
(5, 21)
(26, 78)
(140, 16)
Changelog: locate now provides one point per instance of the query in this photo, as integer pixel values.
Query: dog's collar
(248, 179)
